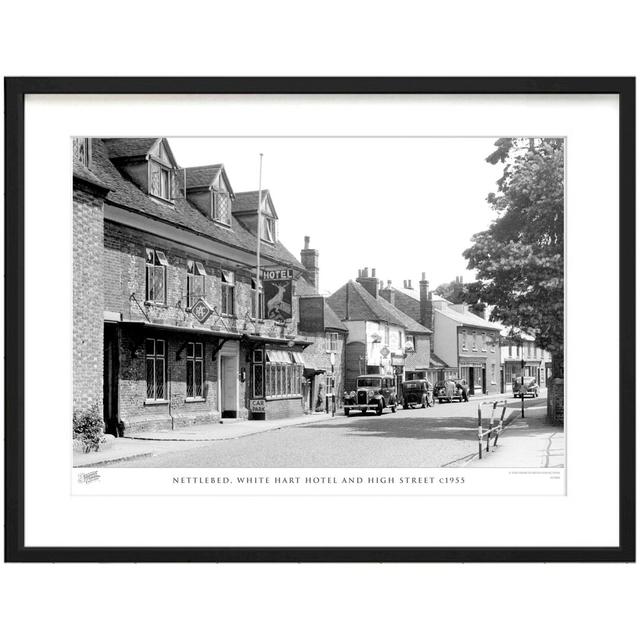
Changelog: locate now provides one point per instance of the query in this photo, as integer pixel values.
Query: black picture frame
(15, 91)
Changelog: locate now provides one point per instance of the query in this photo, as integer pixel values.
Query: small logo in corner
(89, 476)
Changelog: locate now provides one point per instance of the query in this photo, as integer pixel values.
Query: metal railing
(497, 429)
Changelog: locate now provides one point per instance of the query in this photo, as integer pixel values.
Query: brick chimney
(389, 293)
(369, 283)
(426, 303)
(309, 259)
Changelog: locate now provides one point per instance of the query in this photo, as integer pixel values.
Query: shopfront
(278, 382)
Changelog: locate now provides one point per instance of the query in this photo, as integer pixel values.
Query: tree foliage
(519, 259)
(458, 292)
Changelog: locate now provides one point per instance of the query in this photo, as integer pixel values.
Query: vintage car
(525, 386)
(373, 393)
(417, 392)
(450, 390)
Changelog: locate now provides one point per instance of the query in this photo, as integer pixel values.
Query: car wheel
(379, 409)
(346, 412)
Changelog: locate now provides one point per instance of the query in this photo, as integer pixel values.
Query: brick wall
(139, 415)
(88, 305)
(284, 408)
(125, 274)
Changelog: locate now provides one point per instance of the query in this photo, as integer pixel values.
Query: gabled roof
(129, 147)
(120, 148)
(403, 319)
(407, 304)
(202, 176)
(247, 202)
(361, 305)
(468, 319)
(125, 193)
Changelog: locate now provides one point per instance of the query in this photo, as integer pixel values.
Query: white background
(499, 38)
(53, 517)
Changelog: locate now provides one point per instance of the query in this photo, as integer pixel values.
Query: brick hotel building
(166, 330)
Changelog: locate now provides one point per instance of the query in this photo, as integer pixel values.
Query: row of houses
(172, 326)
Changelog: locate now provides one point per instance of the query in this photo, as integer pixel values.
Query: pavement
(530, 442)
(146, 444)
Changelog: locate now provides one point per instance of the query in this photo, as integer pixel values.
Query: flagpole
(259, 241)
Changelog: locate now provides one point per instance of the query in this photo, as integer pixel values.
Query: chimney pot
(365, 272)
(389, 284)
(410, 287)
(373, 273)
(307, 239)
(424, 275)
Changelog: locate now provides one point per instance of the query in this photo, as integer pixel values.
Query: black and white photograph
(313, 326)
(318, 302)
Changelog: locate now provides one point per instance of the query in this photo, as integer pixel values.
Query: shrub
(88, 427)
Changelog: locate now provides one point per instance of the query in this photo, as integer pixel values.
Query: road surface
(433, 437)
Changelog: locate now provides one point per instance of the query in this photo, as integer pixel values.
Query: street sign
(384, 352)
(257, 406)
(201, 310)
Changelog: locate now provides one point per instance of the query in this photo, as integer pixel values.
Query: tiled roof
(436, 362)
(468, 318)
(362, 305)
(82, 172)
(403, 319)
(331, 320)
(407, 304)
(202, 176)
(247, 202)
(129, 147)
(181, 213)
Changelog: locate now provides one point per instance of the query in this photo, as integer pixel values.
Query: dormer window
(268, 229)
(161, 178)
(221, 206)
(160, 182)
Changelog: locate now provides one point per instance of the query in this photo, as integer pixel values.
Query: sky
(402, 206)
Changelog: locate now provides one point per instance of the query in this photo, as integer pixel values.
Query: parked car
(417, 392)
(450, 390)
(527, 386)
(373, 393)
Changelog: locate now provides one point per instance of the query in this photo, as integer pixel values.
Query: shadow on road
(421, 428)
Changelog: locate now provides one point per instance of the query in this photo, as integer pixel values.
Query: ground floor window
(282, 377)
(258, 373)
(156, 369)
(331, 385)
(195, 369)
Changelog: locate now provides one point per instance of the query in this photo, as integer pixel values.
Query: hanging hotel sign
(201, 310)
(277, 285)
(277, 274)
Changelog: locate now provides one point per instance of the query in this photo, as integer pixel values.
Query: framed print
(320, 319)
